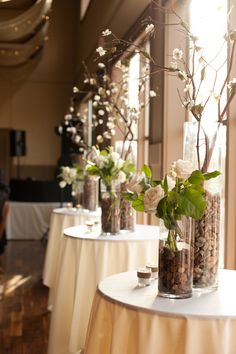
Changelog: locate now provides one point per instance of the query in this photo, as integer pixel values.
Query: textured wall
(35, 97)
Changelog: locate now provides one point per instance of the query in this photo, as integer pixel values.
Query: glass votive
(69, 205)
(89, 225)
(78, 206)
(154, 270)
(144, 277)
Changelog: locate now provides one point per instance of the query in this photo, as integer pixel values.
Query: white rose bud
(152, 197)
(183, 168)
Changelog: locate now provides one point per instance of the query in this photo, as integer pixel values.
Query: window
(206, 27)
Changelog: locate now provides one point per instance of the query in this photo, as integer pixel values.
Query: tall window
(210, 31)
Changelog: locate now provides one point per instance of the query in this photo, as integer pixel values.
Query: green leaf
(192, 203)
(129, 167)
(103, 152)
(162, 208)
(165, 185)
(210, 175)
(93, 170)
(138, 204)
(129, 196)
(147, 171)
(196, 177)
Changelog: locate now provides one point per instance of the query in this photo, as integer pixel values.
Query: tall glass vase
(207, 244)
(127, 214)
(77, 193)
(175, 278)
(91, 192)
(110, 205)
(208, 231)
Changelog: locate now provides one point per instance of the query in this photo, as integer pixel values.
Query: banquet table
(128, 319)
(28, 221)
(87, 258)
(61, 218)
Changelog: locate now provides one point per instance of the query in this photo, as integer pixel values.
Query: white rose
(62, 184)
(133, 183)
(152, 197)
(121, 177)
(183, 168)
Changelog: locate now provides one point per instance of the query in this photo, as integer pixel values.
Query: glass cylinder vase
(91, 191)
(208, 232)
(77, 194)
(127, 213)
(175, 278)
(110, 206)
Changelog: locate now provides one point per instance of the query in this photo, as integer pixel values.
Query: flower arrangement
(109, 166)
(71, 176)
(179, 194)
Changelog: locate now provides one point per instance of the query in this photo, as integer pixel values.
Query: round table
(61, 218)
(128, 319)
(88, 258)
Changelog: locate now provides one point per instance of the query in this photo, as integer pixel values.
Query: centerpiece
(112, 170)
(176, 199)
(74, 177)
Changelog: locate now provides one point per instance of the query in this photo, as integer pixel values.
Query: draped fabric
(130, 320)
(86, 258)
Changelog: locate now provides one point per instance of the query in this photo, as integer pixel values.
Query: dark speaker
(17, 143)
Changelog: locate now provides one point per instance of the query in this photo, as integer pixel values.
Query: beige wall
(35, 97)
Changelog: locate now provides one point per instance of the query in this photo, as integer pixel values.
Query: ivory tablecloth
(130, 320)
(61, 218)
(87, 258)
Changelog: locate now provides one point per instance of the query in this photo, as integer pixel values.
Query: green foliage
(147, 171)
(138, 203)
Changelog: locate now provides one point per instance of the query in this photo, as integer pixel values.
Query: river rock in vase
(206, 245)
(91, 189)
(175, 279)
(110, 206)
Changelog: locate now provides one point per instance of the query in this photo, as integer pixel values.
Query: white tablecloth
(86, 259)
(28, 220)
(131, 320)
(61, 218)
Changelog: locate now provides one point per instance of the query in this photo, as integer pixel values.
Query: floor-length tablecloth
(61, 218)
(130, 320)
(28, 221)
(87, 258)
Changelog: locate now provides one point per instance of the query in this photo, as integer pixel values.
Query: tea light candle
(69, 205)
(154, 270)
(78, 206)
(144, 276)
(89, 225)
